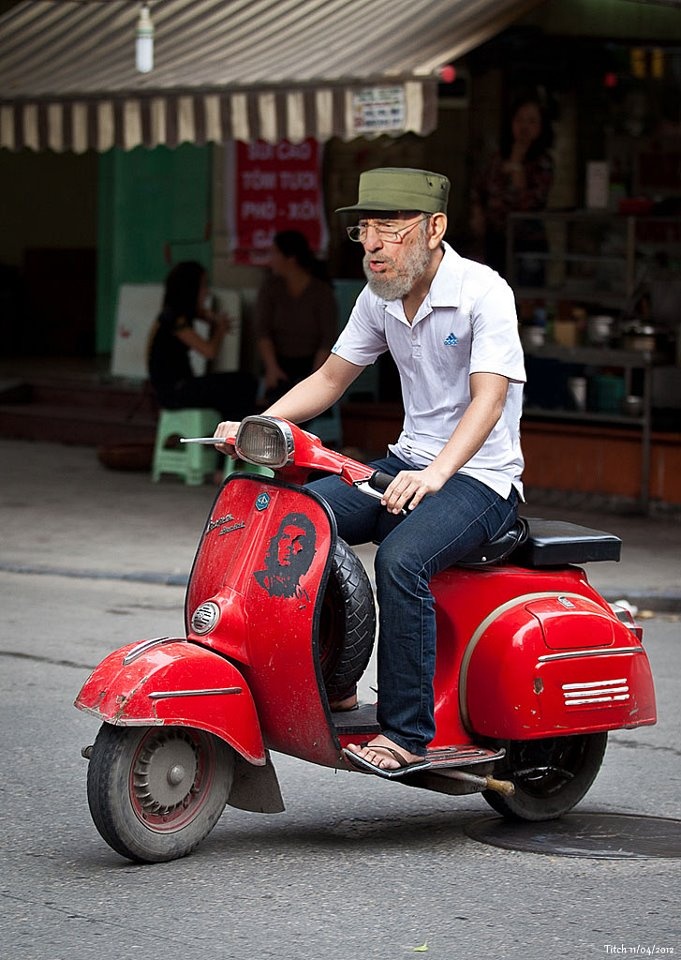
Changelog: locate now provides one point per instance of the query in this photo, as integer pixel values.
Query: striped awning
(230, 69)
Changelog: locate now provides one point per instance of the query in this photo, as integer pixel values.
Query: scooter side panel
(176, 683)
(263, 560)
(465, 598)
(515, 686)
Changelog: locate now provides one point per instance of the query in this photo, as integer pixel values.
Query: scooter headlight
(265, 441)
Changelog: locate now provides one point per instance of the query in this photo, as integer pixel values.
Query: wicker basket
(127, 456)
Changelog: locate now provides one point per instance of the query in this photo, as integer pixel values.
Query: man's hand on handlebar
(228, 428)
(409, 488)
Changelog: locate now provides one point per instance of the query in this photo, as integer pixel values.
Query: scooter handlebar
(376, 485)
(380, 481)
(207, 440)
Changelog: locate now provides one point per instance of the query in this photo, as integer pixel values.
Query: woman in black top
(173, 336)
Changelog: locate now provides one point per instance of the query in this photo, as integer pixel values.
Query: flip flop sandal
(336, 709)
(404, 766)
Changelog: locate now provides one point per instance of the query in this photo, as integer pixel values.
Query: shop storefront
(602, 324)
(141, 178)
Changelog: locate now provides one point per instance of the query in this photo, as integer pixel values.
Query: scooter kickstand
(504, 787)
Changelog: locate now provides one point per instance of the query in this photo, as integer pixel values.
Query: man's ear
(437, 227)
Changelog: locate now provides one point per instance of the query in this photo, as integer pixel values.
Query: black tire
(348, 623)
(551, 776)
(156, 792)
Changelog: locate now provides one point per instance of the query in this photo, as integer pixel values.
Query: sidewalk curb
(663, 602)
(134, 576)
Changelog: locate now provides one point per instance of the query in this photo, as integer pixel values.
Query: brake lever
(364, 487)
(212, 440)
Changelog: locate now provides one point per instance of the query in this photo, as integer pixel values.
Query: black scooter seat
(536, 543)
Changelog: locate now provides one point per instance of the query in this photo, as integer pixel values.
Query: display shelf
(552, 413)
(605, 357)
(594, 257)
(573, 292)
(597, 258)
(593, 356)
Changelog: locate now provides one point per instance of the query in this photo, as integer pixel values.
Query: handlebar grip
(380, 481)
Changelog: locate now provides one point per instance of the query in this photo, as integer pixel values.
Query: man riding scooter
(450, 325)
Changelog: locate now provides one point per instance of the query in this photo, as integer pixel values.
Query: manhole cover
(602, 835)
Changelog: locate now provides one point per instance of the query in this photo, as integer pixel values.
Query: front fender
(174, 682)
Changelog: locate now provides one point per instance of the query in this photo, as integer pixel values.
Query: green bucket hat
(401, 188)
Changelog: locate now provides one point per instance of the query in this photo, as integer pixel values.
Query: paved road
(61, 511)
(355, 868)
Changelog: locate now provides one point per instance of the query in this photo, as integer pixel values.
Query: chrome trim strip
(600, 652)
(589, 684)
(147, 645)
(169, 694)
(595, 691)
(577, 703)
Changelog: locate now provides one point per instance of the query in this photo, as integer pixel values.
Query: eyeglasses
(358, 233)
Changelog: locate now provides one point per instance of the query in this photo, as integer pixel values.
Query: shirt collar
(445, 290)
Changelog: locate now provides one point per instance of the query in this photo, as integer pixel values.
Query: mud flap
(255, 789)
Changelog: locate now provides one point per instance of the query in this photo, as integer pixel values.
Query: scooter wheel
(550, 776)
(156, 792)
(348, 623)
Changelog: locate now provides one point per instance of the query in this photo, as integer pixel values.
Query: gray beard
(397, 287)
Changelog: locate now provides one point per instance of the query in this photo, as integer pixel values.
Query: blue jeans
(442, 529)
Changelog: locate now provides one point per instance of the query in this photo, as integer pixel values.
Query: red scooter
(533, 665)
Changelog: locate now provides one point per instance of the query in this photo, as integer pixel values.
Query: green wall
(611, 19)
(154, 210)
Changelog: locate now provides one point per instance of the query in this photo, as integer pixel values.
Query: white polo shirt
(466, 324)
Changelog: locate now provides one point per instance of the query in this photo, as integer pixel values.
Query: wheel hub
(165, 772)
(176, 775)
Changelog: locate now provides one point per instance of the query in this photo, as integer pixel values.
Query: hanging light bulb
(144, 41)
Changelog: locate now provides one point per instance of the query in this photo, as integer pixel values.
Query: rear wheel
(156, 792)
(551, 776)
(348, 623)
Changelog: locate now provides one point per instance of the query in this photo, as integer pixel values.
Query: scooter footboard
(173, 682)
(555, 666)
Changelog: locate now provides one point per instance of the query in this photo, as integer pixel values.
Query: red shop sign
(276, 186)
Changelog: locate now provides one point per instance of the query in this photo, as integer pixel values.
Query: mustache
(381, 258)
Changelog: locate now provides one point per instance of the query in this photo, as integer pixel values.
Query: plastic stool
(240, 466)
(189, 460)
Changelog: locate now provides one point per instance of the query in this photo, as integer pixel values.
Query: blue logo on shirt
(451, 340)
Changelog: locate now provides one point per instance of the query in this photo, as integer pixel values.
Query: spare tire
(348, 623)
